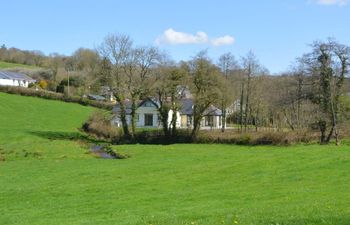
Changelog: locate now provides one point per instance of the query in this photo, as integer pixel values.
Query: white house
(212, 118)
(148, 115)
(8, 78)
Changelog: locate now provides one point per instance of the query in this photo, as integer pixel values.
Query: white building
(148, 115)
(8, 78)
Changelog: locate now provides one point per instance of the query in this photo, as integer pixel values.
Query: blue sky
(277, 31)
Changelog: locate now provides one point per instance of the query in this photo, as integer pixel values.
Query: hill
(6, 65)
(47, 177)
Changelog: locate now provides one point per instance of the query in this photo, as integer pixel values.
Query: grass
(47, 177)
(7, 65)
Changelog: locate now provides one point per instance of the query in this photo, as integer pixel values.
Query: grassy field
(47, 178)
(6, 65)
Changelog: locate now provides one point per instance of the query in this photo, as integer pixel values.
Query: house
(212, 118)
(8, 78)
(148, 115)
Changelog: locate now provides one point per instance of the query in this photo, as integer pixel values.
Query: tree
(204, 87)
(251, 68)
(328, 66)
(136, 69)
(168, 80)
(227, 64)
(116, 48)
(131, 73)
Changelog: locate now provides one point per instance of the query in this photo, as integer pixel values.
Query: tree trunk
(133, 116)
(163, 112)
(246, 116)
(334, 126)
(223, 118)
(123, 116)
(241, 107)
(322, 125)
(196, 125)
(173, 123)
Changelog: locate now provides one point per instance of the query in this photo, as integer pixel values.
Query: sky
(277, 31)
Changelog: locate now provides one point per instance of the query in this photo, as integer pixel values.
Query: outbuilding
(8, 78)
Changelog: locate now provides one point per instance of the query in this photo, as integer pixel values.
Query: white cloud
(225, 40)
(332, 2)
(173, 37)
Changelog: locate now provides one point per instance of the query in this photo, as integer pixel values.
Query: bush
(99, 126)
(43, 84)
(55, 96)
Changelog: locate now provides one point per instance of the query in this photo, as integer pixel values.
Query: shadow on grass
(100, 149)
(63, 135)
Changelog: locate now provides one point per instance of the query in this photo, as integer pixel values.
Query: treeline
(56, 69)
(313, 95)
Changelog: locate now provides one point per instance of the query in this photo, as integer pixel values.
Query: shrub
(43, 84)
(99, 125)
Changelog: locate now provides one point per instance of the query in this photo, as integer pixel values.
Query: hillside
(25, 119)
(6, 65)
(46, 177)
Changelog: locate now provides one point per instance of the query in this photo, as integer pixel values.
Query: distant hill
(6, 65)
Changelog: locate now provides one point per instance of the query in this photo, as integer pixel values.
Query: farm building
(8, 78)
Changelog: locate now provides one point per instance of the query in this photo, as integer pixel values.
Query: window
(137, 117)
(209, 121)
(148, 119)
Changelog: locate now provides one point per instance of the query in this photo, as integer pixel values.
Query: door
(149, 120)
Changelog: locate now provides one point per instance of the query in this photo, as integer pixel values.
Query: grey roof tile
(14, 76)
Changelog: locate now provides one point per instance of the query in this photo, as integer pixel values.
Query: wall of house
(141, 111)
(178, 118)
(9, 82)
(215, 125)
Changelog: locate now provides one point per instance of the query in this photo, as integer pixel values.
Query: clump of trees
(313, 95)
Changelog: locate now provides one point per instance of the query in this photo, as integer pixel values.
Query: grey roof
(116, 108)
(96, 97)
(212, 111)
(14, 76)
(187, 108)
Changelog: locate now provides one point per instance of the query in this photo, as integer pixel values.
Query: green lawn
(48, 179)
(6, 65)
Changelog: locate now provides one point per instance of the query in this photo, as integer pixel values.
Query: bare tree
(117, 48)
(227, 63)
(137, 68)
(251, 67)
